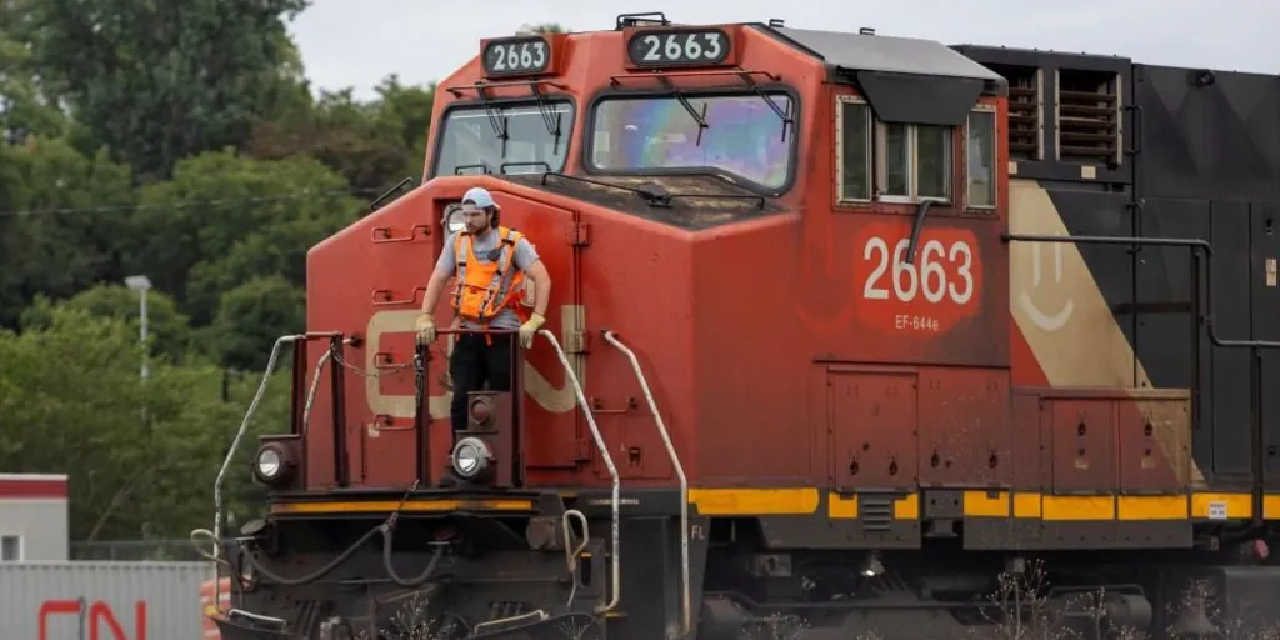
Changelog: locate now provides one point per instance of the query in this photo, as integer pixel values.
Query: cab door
(403, 242)
(553, 426)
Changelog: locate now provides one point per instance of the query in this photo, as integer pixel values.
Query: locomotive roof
(890, 54)
(895, 73)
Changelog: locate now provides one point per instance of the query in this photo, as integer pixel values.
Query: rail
(686, 599)
(422, 409)
(615, 497)
(1202, 307)
(219, 508)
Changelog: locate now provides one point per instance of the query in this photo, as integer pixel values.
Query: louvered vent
(1088, 116)
(1024, 111)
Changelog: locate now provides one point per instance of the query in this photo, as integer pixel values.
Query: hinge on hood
(575, 342)
(581, 235)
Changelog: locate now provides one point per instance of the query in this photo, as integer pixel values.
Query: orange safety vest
(477, 284)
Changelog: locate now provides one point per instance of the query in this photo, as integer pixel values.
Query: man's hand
(425, 325)
(529, 328)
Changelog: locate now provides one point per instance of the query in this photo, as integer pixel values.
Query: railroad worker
(489, 263)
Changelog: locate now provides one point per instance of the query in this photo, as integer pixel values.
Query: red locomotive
(844, 328)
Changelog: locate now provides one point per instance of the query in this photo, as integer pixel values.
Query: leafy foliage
(178, 140)
(253, 217)
(141, 456)
(52, 251)
(371, 145)
(159, 81)
(167, 327)
(252, 315)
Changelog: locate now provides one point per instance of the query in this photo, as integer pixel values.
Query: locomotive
(850, 335)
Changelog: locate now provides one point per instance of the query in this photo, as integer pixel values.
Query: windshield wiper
(550, 117)
(701, 119)
(496, 118)
(787, 120)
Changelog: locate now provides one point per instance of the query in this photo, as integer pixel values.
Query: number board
(516, 56)
(678, 47)
(940, 287)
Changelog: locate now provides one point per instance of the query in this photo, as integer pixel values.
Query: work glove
(529, 328)
(425, 325)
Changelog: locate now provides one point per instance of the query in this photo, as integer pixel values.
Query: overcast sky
(358, 42)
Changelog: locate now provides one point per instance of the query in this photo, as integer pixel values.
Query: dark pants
(474, 363)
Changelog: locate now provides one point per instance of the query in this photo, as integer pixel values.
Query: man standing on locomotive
(489, 264)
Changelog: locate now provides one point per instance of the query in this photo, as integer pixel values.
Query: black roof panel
(904, 79)
(857, 52)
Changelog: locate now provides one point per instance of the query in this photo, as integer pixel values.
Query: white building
(33, 517)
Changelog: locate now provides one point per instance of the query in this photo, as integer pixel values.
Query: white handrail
(235, 446)
(686, 599)
(616, 498)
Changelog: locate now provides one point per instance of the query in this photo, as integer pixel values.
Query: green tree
(160, 81)
(372, 144)
(167, 327)
(63, 217)
(24, 109)
(224, 219)
(252, 315)
(71, 401)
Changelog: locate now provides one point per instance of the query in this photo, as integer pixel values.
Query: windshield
(743, 135)
(470, 141)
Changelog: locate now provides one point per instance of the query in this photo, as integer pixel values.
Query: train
(850, 335)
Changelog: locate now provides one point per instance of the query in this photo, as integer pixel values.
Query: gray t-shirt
(525, 255)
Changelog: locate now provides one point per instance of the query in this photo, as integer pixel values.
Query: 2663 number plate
(660, 48)
(516, 56)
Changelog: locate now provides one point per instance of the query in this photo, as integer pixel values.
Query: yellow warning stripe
(1026, 504)
(760, 502)
(991, 504)
(416, 505)
(806, 501)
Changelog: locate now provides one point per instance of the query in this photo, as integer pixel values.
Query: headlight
(471, 457)
(269, 463)
(453, 221)
(275, 463)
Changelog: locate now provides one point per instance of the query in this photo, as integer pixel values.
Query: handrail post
(218, 481)
(686, 598)
(615, 497)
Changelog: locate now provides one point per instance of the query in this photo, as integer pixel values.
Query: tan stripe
(1069, 327)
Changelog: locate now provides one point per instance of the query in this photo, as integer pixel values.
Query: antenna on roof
(866, 31)
(777, 22)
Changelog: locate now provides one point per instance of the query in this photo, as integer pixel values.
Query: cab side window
(980, 157)
(897, 162)
(913, 162)
(853, 149)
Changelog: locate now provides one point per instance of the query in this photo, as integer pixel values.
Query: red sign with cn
(98, 621)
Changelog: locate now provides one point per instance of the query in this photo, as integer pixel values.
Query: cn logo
(93, 618)
(1048, 322)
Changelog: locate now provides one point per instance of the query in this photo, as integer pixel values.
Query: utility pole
(141, 284)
